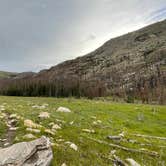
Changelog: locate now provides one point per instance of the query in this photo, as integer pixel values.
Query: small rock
(74, 146)
(48, 131)
(13, 116)
(64, 164)
(32, 130)
(113, 152)
(3, 140)
(29, 136)
(114, 137)
(56, 127)
(17, 139)
(44, 115)
(63, 109)
(51, 124)
(93, 117)
(13, 122)
(122, 134)
(29, 123)
(88, 131)
(95, 123)
(71, 123)
(61, 121)
(68, 142)
(132, 162)
(60, 140)
(6, 144)
(13, 128)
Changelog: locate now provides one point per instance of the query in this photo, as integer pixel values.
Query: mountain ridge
(129, 66)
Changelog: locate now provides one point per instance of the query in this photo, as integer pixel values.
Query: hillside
(129, 66)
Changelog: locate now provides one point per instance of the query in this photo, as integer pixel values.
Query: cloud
(48, 32)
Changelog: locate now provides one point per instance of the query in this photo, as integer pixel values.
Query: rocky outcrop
(37, 152)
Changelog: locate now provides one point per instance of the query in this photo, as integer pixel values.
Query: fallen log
(151, 153)
(148, 136)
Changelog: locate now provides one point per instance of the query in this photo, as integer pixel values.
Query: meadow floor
(100, 119)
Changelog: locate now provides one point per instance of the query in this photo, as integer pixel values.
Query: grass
(115, 118)
(4, 74)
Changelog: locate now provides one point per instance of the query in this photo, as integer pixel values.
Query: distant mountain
(130, 66)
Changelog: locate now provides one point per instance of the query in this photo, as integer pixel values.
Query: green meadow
(100, 119)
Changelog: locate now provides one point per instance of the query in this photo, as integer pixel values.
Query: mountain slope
(132, 65)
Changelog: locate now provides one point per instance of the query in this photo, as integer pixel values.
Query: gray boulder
(37, 152)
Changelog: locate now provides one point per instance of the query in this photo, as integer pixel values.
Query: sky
(37, 34)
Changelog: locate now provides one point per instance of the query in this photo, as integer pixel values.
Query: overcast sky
(36, 34)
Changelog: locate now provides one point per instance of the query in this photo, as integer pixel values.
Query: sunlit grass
(115, 118)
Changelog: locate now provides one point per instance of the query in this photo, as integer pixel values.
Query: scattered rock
(51, 124)
(29, 123)
(37, 152)
(114, 137)
(2, 108)
(13, 128)
(63, 109)
(13, 122)
(113, 152)
(29, 136)
(61, 121)
(132, 162)
(71, 123)
(60, 140)
(74, 146)
(93, 117)
(6, 144)
(33, 130)
(88, 131)
(97, 122)
(16, 139)
(56, 127)
(48, 131)
(44, 115)
(44, 106)
(122, 134)
(13, 116)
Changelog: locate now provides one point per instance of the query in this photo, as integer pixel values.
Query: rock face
(37, 152)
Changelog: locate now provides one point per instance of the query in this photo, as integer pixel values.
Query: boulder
(37, 152)
(63, 109)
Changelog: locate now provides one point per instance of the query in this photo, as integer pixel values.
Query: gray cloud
(35, 34)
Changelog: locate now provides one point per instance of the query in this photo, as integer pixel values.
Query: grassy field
(105, 118)
(4, 74)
